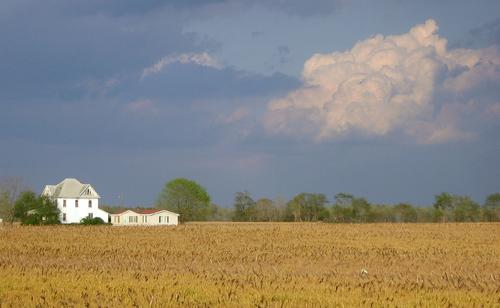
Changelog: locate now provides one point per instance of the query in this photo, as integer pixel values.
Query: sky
(391, 100)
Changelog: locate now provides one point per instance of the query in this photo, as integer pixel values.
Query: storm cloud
(408, 84)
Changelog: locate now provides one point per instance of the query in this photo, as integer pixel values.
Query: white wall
(75, 214)
(124, 219)
(145, 220)
(154, 219)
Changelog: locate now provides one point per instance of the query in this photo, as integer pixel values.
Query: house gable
(71, 188)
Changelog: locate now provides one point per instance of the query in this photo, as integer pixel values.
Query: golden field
(251, 264)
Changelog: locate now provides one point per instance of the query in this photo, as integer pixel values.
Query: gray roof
(70, 188)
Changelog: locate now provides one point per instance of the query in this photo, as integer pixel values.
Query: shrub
(92, 221)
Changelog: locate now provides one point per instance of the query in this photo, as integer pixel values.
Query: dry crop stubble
(251, 264)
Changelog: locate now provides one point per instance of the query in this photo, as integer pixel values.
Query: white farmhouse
(145, 217)
(75, 201)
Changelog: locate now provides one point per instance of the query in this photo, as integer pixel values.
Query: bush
(92, 221)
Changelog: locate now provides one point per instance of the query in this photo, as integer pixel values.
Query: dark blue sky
(391, 100)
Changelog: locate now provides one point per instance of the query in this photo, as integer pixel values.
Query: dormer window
(88, 191)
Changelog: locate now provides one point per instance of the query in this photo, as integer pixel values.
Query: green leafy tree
(344, 199)
(443, 206)
(465, 209)
(491, 207)
(361, 209)
(26, 202)
(185, 197)
(404, 212)
(348, 208)
(341, 213)
(244, 207)
(382, 213)
(425, 214)
(33, 210)
(308, 207)
(455, 208)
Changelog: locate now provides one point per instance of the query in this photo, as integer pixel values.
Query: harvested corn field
(251, 264)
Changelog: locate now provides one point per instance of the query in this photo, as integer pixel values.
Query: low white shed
(145, 217)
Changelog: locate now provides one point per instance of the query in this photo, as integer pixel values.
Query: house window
(90, 203)
(159, 219)
(91, 215)
(64, 215)
(64, 203)
(117, 219)
(144, 219)
(167, 219)
(132, 219)
(76, 203)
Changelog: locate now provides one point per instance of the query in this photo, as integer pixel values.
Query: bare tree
(10, 188)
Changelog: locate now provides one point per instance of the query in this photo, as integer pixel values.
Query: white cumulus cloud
(384, 85)
(202, 59)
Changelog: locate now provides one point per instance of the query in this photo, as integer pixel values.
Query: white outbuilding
(75, 201)
(145, 217)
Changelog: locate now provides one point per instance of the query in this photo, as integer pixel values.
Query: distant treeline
(347, 208)
(193, 203)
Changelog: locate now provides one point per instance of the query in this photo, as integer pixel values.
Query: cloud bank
(408, 84)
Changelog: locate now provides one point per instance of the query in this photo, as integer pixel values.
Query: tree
(360, 209)
(9, 192)
(218, 213)
(443, 205)
(404, 212)
(279, 209)
(244, 207)
(491, 207)
(465, 209)
(351, 209)
(382, 213)
(264, 210)
(26, 202)
(343, 199)
(309, 207)
(456, 208)
(341, 213)
(185, 197)
(33, 210)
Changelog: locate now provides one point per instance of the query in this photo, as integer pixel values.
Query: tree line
(193, 203)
